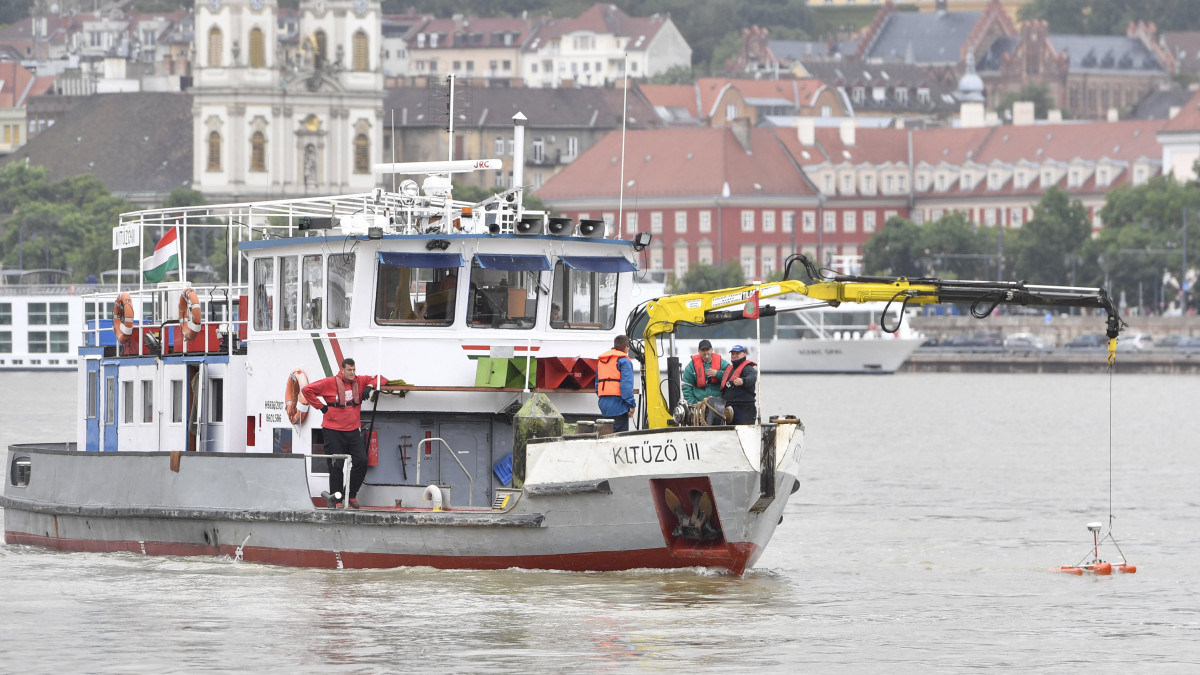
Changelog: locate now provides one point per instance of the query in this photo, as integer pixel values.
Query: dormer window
(847, 184)
(901, 95)
(859, 94)
(968, 179)
(1074, 182)
(1020, 182)
(922, 183)
(420, 40)
(868, 184)
(941, 183)
(889, 184)
(1102, 176)
(923, 95)
(1047, 178)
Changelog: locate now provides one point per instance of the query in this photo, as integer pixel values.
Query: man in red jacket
(341, 401)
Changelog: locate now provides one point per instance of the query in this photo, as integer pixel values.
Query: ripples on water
(930, 509)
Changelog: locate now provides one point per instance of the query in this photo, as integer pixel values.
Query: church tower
(286, 108)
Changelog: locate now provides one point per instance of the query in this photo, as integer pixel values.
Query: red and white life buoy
(123, 318)
(189, 313)
(297, 407)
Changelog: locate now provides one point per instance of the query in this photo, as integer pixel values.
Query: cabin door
(195, 407)
(471, 443)
(91, 406)
(111, 402)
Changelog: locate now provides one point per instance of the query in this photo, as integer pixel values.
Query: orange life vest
(734, 373)
(698, 364)
(608, 375)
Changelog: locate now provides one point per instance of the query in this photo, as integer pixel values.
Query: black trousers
(620, 423)
(743, 413)
(346, 443)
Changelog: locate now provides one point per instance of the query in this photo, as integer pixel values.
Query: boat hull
(587, 504)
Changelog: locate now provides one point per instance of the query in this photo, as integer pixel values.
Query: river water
(931, 507)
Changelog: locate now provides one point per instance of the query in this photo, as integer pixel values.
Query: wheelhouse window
(177, 401)
(110, 400)
(416, 288)
(147, 401)
(288, 291)
(216, 400)
(264, 293)
(127, 401)
(504, 290)
(341, 289)
(584, 295)
(312, 293)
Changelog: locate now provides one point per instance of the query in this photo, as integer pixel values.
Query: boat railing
(219, 320)
(446, 446)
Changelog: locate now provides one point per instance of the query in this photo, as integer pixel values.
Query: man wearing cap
(702, 375)
(737, 386)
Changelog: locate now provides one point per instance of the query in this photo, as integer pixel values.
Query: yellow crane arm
(664, 315)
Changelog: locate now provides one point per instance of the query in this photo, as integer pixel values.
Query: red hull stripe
(732, 557)
(337, 350)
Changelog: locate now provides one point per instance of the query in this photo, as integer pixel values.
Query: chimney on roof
(806, 131)
(741, 131)
(971, 115)
(1022, 113)
(846, 132)
(1113, 115)
(1173, 111)
(1054, 116)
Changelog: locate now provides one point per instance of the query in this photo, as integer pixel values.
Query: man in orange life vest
(614, 384)
(737, 386)
(341, 424)
(702, 375)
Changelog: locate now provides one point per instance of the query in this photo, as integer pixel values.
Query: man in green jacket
(702, 376)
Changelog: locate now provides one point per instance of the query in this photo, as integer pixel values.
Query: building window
(257, 52)
(768, 261)
(747, 221)
(681, 222)
(731, 111)
(868, 221)
(847, 184)
(789, 221)
(889, 185)
(362, 154)
(258, 152)
(214, 47)
(321, 44)
(748, 255)
(214, 151)
(869, 184)
(361, 55)
(1017, 217)
(768, 221)
(827, 182)
(539, 149)
(900, 183)
(941, 182)
(631, 222)
(848, 222)
(572, 146)
(830, 224)
(706, 221)
(656, 222)
(809, 221)
(498, 145)
(681, 261)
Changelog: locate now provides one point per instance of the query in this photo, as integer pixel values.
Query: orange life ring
(189, 313)
(123, 318)
(297, 407)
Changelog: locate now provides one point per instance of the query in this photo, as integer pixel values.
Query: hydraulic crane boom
(664, 315)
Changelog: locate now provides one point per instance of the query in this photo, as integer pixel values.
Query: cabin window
(504, 290)
(584, 295)
(257, 52)
(110, 400)
(37, 342)
(93, 394)
(281, 440)
(127, 401)
(216, 400)
(60, 342)
(341, 289)
(5, 313)
(288, 292)
(312, 291)
(60, 314)
(264, 293)
(147, 401)
(5, 342)
(416, 288)
(37, 314)
(176, 401)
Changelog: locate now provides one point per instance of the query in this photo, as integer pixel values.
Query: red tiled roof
(1127, 141)
(484, 26)
(1188, 118)
(15, 84)
(679, 162)
(606, 19)
(875, 146)
(671, 96)
(954, 146)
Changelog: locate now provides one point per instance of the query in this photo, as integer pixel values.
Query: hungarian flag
(164, 259)
(750, 311)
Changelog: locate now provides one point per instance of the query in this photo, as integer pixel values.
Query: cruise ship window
(288, 292)
(341, 289)
(147, 401)
(38, 343)
(584, 292)
(37, 314)
(264, 293)
(127, 402)
(176, 401)
(504, 290)
(60, 342)
(416, 288)
(5, 342)
(312, 293)
(60, 314)
(5, 313)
